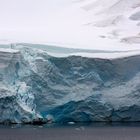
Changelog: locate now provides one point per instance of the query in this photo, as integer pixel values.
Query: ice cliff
(35, 86)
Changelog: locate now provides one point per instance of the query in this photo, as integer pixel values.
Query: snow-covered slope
(116, 21)
(37, 87)
(94, 24)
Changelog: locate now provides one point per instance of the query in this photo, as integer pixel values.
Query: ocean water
(86, 131)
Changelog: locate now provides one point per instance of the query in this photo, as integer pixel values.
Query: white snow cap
(93, 24)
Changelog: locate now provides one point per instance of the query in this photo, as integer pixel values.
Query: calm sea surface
(94, 131)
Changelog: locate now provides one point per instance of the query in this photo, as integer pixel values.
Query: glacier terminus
(36, 86)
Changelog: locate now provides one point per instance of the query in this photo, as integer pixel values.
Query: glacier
(36, 87)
